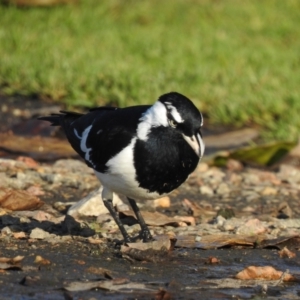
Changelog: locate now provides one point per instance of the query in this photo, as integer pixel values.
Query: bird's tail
(63, 117)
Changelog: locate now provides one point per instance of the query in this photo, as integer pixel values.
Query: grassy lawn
(239, 60)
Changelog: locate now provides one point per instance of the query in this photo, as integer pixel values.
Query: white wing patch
(83, 145)
(155, 116)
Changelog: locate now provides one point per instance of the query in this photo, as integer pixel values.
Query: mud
(184, 274)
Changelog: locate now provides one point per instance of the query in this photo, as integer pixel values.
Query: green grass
(238, 60)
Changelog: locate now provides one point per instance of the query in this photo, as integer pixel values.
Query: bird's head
(179, 114)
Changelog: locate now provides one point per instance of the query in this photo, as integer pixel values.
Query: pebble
(206, 190)
(255, 196)
(39, 234)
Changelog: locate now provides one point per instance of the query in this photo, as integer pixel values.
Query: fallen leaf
(263, 273)
(258, 155)
(215, 241)
(285, 252)
(154, 218)
(153, 251)
(105, 285)
(196, 210)
(18, 200)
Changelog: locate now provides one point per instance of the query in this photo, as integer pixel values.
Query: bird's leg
(145, 233)
(109, 205)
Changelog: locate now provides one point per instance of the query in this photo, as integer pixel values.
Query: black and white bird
(143, 152)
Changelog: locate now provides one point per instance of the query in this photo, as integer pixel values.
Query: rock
(251, 227)
(232, 223)
(269, 191)
(220, 221)
(92, 205)
(39, 234)
(223, 189)
(284, 211)
(206, 190)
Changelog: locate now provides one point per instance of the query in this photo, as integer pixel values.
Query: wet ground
(180, 274)
(183, 274)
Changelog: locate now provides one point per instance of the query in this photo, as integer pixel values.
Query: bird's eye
(172, 123)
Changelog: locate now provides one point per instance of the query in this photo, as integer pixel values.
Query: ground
(221, 221)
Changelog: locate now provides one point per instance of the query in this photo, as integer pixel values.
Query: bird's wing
(102, 133)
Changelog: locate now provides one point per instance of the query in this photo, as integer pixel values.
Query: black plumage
(143, 152)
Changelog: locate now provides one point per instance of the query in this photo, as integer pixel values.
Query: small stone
(267, 191)
(6, 231)
(198, 238)
(220, 220)
(232, 223)
(39, 234)
(202, 167)
(252, 227)
(234, 165)
(284, 211)
(92, 205)
(222, 189)
(206, 190)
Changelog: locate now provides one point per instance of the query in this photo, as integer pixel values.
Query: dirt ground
(76, 269)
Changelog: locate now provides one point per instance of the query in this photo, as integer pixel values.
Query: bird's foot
(145, 235)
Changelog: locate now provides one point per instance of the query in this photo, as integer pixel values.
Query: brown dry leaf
(18, 200)
(285, 252)
(196, 210)
(161, 242)
(263, 273)
(152, 252)
(154, 218)
(289, 241)
(42, 261)
(105, 285)
(215, 241)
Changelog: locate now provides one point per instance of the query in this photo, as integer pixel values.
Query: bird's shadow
(69, 226)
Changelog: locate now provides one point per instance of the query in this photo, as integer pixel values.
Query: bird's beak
(196, 143)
